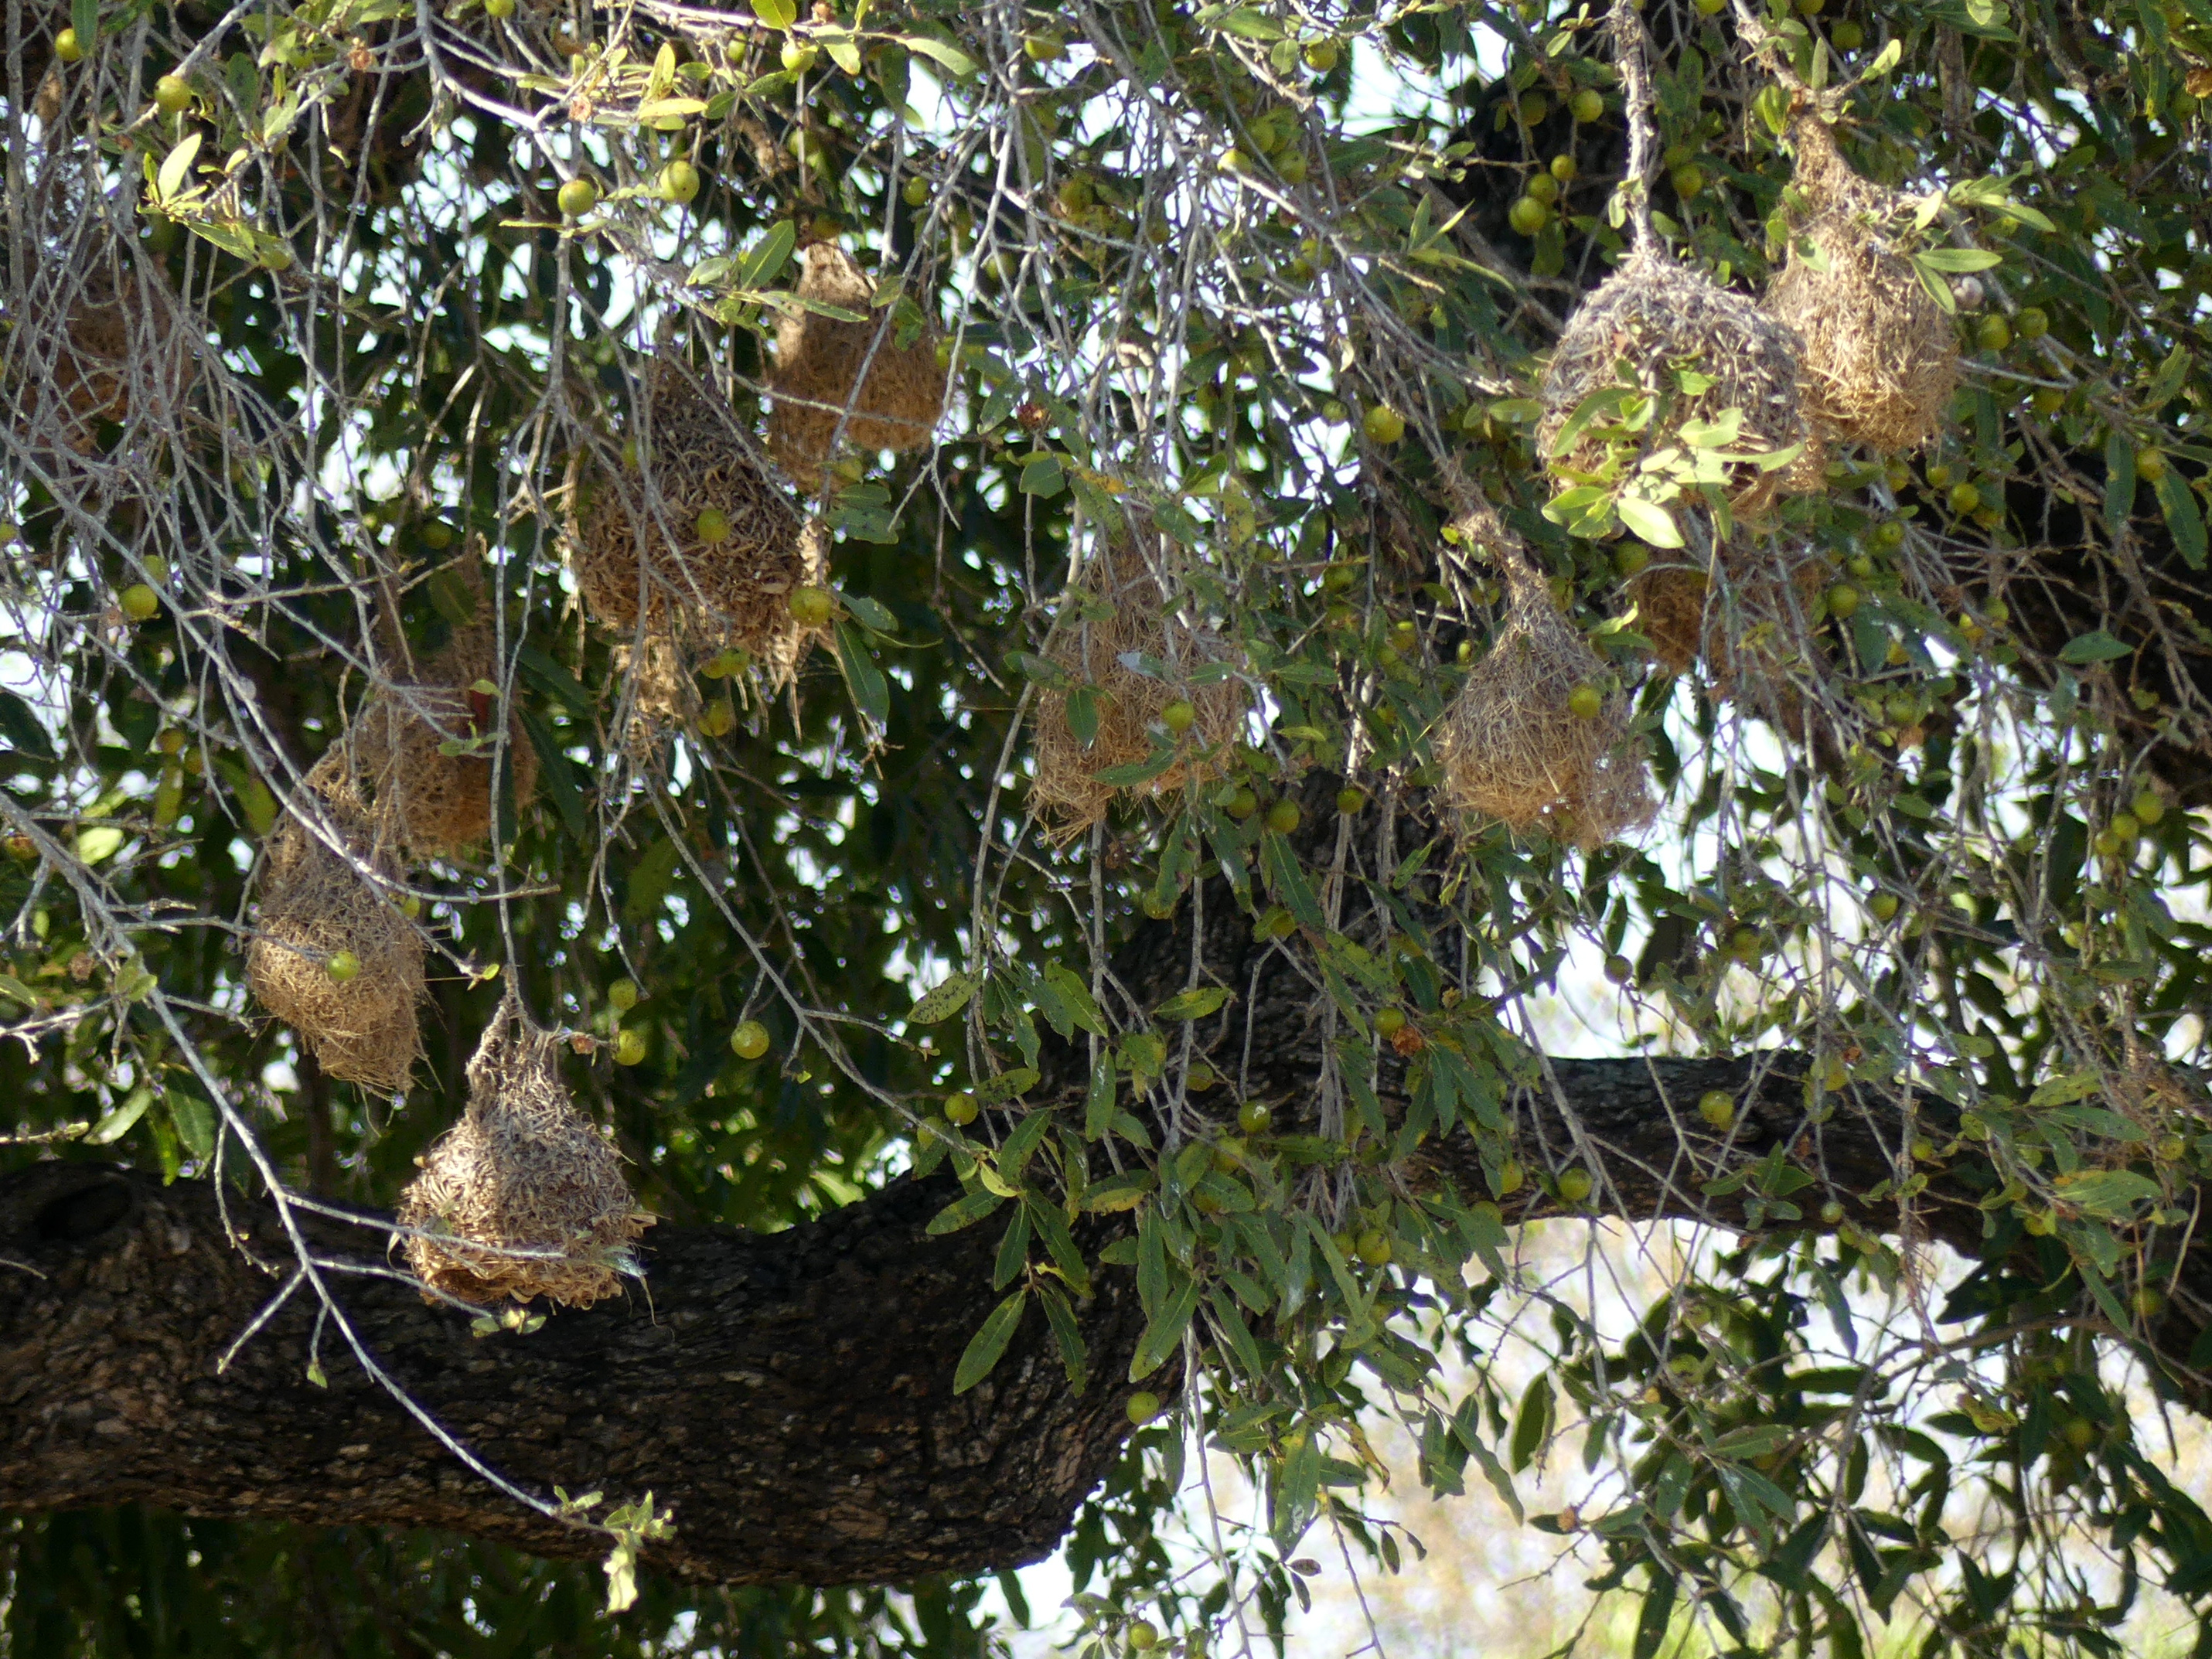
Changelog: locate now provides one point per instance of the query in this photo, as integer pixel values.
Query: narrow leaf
(988, 1345)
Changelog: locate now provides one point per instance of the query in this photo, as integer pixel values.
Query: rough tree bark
(789, 1396)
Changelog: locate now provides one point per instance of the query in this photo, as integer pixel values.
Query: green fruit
(1533, 108)
(915, 190)
(499, 9)
(1884, 906)
(1745, 945)
(749, 1041)
(1902, 708)
(1044, 48)
(2150, 466)
(2125, 828)
(342, 966)
(1388, 1021)
(1810, 8)
(1143, 1406)
(141, 603)
(2149, 806)
(2047, 400)
(1630, 558)
(622, 995)
(1510, 1175)
(2032, 322)
(1350, 800)
(1179, 716)
(1241, 805)
(1847, 36)
(172, 94)
(1528, 216)
(66, 46)
(713, 526)
(629, 1049)
(1562, 168)
(578, 198)
(1383, 424)
(725, 663)
(1831, 1212)
(960, 1109)
(1994, 333)
(2171, 1149)
(1964, 498)
(1688, 180)
(1542, 187)
(1375, 1247)
(1843, 599)
(679, 181)
(1283, 817)
(1574, 1185)
(1322, 56)
(1859, 566)
(1253, 1119)
(799, 56)
(1200, 1078)
(1889, 533)
(1585, 702)
(717, 719)
(1586, 106)
(1717, 1108)
(1234, 161)
(813, 607)
(1143, 1637)
(1619, 969)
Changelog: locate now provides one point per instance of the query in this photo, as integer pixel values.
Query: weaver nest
(828, 371)
(523, 1197)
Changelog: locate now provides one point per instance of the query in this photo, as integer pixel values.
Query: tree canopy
(788, 796)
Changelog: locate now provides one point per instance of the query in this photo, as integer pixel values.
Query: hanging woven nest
(1654, 319)
(1880, 356)
(332, 956)
(827, 371)
(1515, 749)
(122, 350)
(431, 803)
(524, 1196)
(1748, 620)
(1120, 616)
(697, 539)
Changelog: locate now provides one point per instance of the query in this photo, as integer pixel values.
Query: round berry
(749, 1041)
(578, 198)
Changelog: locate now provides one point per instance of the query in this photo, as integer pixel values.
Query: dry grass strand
(818, 379)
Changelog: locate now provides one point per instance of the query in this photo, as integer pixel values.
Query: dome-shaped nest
(1880, 356)
(432, 804)
(1647, 325)
(123, 349)
(523, 1197)
(1119, 615)
(315, 907)
(819, 379)
(698, 537)
(1513, 748)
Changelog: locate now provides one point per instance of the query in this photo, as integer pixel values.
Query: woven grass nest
(1655, 317)
(1122, 613)
(1514, 749)
(1880, 357)
(432, 804)
(819, 373)
(123, 349)
(522, 1171)
(314, 906)
(637, 545)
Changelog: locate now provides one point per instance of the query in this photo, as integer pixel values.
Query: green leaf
(1280, 867)
(870, 691)
(1042, 477)
(559, 780)
(1532, 1425)
(872, 613)
(102, 841)
(2074, 1086)
(1068, 1335)
(988, 1345)
(952, 57)
(1164, 1334)
(1194, 1004)
(2093, 647)
(2183, 518)
(776, 14)
(176, 167)
(2119, 479)
(2109, 1194)
(1957, 260)
(1051, 1223)
(965, 1212)
(944, 999)
(765, 261)
(194, 1119)
(1098, 1103)
(1652, 522)
(116, 1123)
(1076, 995)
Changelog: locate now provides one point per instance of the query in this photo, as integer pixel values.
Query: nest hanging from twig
(123, 349)
(523, 1197)
(1650, 323)
(431, 803)
(697, 539)
(827, 371)
(318, 910)
(1880, 356)
(1121, 617)
(1513, 749)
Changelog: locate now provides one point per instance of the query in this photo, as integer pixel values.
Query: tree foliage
(324, 324)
